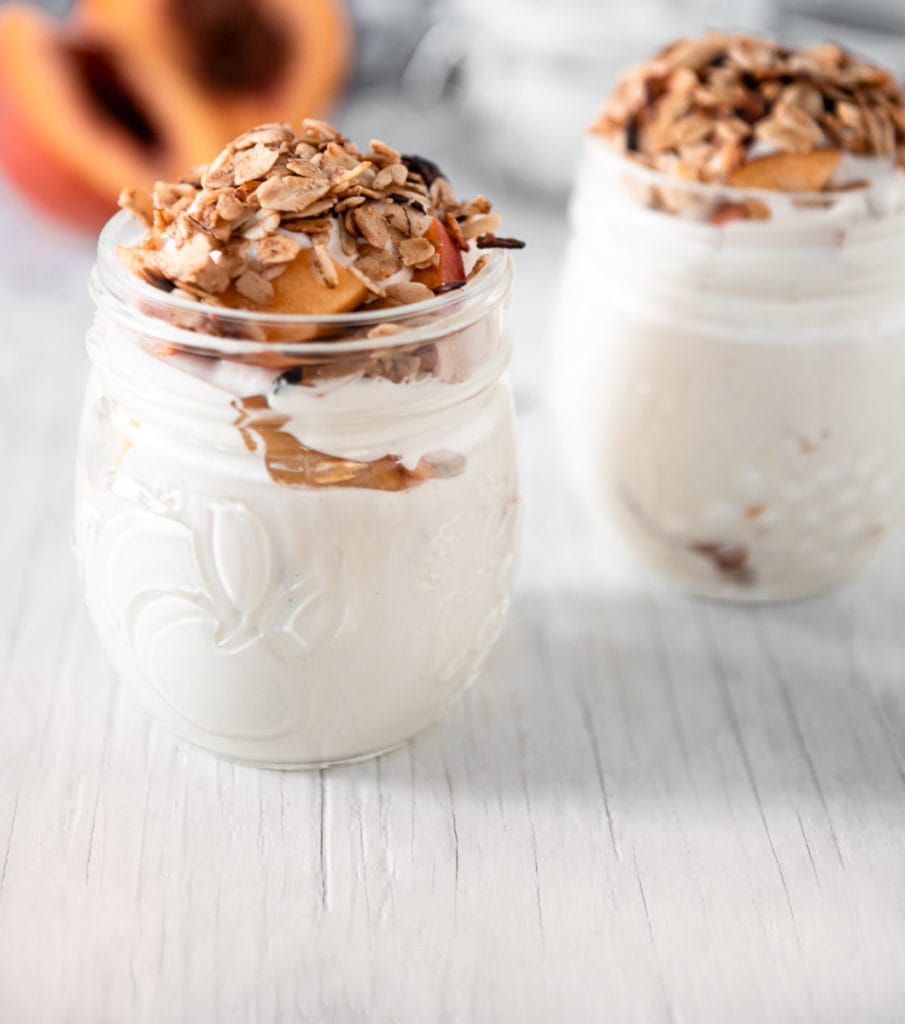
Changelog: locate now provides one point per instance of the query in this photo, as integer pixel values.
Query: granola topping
(224, 235)
(744, 111)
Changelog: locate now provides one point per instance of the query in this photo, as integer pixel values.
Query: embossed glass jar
(733, 373)
(296, 552)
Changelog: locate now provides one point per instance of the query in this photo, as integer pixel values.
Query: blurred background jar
(729, 391)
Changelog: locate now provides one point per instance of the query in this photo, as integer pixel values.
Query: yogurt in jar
(297, 532)
(732, 365)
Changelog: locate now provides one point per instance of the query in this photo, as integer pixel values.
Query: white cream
(732, 397)
(293, 626)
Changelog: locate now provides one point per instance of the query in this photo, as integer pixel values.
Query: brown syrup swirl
(293, 464)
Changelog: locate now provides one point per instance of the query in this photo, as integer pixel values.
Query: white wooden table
(649, 809)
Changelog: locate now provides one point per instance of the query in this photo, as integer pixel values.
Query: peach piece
(298, 290)
(450, 269)
(789, 172)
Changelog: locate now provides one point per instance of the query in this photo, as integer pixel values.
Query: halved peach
(252, 61)
(39, 173)
(121, 94)
(77, 123)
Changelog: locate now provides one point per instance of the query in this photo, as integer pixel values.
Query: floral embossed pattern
(188, 577)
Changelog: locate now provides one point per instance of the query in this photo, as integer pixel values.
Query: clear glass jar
(732, 385)
(296, 552)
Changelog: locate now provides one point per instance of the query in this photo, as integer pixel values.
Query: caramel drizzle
(293, 464)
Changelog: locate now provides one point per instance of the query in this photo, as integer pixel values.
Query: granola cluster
(745, 111)
(236, 225)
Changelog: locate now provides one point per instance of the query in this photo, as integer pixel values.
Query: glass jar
(732, 385)
(296, 552)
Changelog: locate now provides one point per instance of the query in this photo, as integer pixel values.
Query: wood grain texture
(648, 809)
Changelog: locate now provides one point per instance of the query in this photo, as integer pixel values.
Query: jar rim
(420, 321)
(719, 190)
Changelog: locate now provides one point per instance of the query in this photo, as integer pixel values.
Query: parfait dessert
(731, 316)
(297, 502)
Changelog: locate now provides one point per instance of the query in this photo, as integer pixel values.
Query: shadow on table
(626, 696)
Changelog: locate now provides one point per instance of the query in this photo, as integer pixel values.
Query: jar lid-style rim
(715, 189)
(140, 302)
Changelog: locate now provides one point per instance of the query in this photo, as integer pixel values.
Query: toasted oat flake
(699, 108)
(406, 292)
(277, 249)
(290, 194)
(371, 285)
(254, 163)
(139, 203)
(254, 286)
(416, 251)
(394, 174)
(481, 225)
(260, 225)
(480, 263)
(385, 330)
(326, 265)
(269, 194)
(266, 135)
(372, 226)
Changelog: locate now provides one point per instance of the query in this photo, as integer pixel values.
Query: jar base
(291, 766)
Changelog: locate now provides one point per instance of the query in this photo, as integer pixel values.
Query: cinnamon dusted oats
(225, 232)
(744, 111)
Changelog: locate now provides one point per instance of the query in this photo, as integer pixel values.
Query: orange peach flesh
(41, 176)
(789, 172)
(54, 125)
(300, 292)
(450, 268)
(318, 33)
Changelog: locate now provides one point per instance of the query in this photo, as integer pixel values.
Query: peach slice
(789, 172)
(450, 269)
(298, 290)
